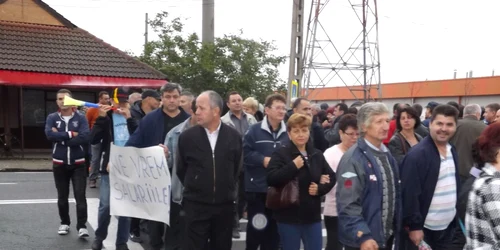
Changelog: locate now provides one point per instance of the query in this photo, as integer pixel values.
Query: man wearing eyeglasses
(259, 143)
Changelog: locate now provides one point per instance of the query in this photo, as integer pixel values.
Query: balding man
(209, 157)
(468, 130)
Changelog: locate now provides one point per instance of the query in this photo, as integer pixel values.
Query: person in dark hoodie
(150, 101)
(152, 131)
(303, 106)
(112, 126)
(332, 134)
(68, 131)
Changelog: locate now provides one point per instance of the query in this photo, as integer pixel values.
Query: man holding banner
(209, 157)
(112, 126)
(152, 131)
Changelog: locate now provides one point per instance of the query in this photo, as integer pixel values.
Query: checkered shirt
(482, 220)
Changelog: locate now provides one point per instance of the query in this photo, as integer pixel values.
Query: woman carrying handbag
(298, 175)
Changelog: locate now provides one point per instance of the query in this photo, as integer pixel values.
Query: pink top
(332, 156)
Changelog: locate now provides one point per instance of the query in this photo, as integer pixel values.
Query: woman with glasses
(348, 131)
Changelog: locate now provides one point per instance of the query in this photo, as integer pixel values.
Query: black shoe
(97, 245)
(135, 237)
(122, 247)
(236, 234)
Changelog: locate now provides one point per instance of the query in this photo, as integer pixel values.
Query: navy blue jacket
(67, 148)
(359, 197)
(150, 130)
(419, 176)
(260, 142)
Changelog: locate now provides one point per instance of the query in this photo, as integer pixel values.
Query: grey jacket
(468, 130)
(171, 142)
(227, 119)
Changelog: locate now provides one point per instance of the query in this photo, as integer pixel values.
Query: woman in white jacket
(348, 131)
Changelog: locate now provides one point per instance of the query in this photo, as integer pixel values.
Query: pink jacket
(332, 156)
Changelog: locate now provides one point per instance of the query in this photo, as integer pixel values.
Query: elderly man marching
(368, 190)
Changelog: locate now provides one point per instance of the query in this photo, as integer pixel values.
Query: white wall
(481, 100)
(440, 100)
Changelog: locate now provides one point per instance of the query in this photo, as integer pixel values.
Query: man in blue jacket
(259, 143)
(368, 189)
(68, 131)
(430, 181)
(152, 131)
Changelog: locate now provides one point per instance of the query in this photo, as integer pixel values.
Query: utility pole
(208, 16)
(146, 31)
(296, 58)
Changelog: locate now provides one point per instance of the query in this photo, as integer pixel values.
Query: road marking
(109, 243)
(32, 201)
(243, 235)
(7, 183)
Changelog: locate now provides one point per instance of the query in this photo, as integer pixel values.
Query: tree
(231, 63)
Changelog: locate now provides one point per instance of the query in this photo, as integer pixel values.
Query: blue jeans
(103, 218)
(291, 234)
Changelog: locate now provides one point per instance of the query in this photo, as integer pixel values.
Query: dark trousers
(310, 234)
(332, 233)
(135, 226)
(388, 246)
(173, 233)
(63, 174)
(239, 206)
(447, 239)
(204, 222)
(268, 237)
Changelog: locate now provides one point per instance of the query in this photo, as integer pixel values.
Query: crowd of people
(389, 181)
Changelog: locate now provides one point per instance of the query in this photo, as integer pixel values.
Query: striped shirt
(442, 210)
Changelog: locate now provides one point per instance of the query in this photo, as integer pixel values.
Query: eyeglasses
(353, 134)
(279, 108)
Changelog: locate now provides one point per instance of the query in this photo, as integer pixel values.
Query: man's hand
(369, 245)
(299, 162)
(165, 150)
(103, 110)
(125, 112)
(313, 189)
(54, 129)
(324, 179)
(266, 161)
(107, 168)
(75, 134)
(416, 236)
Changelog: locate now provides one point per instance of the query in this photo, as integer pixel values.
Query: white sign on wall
(140, 183)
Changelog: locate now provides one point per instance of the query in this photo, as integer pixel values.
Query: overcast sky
(421, 40)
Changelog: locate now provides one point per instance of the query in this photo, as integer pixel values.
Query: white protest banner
(139, 181)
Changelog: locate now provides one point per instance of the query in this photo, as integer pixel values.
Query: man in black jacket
(112, 126)
(150, 101)
(303, 106)
(209, 160)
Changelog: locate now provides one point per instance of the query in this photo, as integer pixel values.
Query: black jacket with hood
(102, 132)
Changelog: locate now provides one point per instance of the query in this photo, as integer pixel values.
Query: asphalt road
(29, 217)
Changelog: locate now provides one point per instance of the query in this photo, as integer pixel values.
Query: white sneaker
(63, 230)
(83, 233)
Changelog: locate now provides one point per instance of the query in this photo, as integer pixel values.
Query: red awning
(24, 78)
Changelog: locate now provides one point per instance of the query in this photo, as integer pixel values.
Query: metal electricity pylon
(344, 50)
